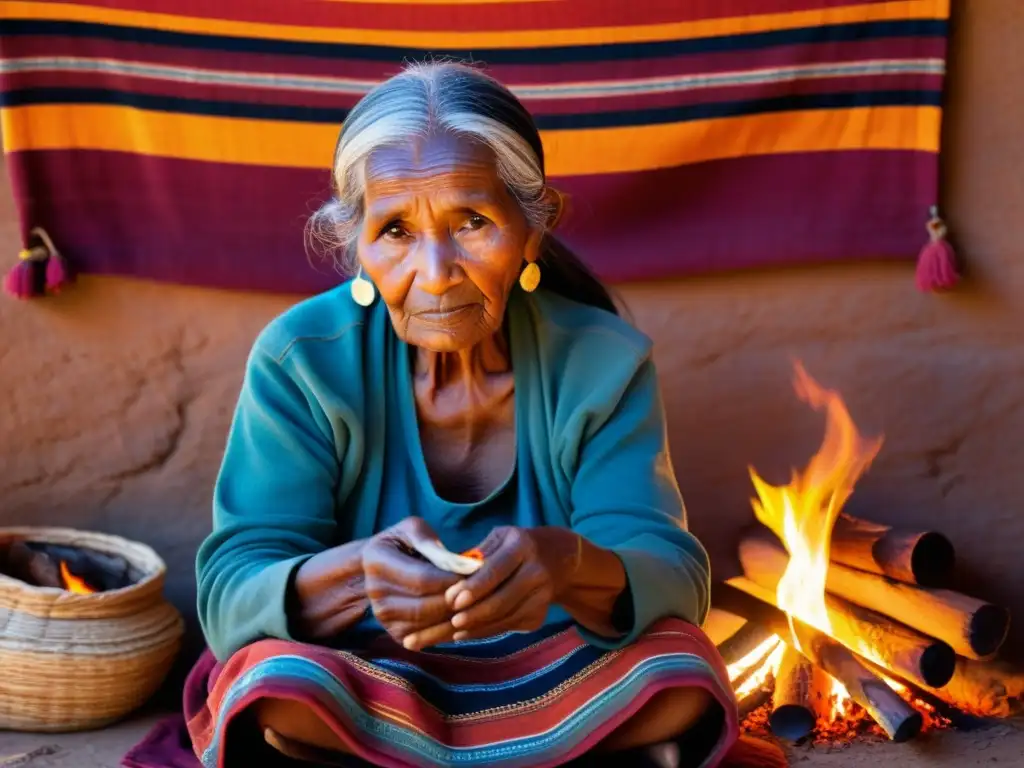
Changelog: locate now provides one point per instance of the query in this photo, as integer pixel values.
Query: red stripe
(752, 212)
(245, 223)
(483, 17)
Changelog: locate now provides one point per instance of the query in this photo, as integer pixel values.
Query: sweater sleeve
(625, 498)
(273, 508)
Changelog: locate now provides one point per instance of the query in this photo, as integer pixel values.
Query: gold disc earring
(363, 292)
(529, 278)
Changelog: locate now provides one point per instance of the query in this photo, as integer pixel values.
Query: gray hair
(422, 100)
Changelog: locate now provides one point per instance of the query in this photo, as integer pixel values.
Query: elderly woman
(472, 388)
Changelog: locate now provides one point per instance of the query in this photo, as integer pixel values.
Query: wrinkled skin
(444, 242)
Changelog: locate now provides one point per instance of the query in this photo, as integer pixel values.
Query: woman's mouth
(447, 316)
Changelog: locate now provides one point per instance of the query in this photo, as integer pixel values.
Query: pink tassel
(21, 281)
(40, 269)
(57, 274)
(937, 263)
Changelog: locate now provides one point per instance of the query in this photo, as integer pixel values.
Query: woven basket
(73, 662)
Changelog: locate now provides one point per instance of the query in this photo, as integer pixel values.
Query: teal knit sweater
(324, 448)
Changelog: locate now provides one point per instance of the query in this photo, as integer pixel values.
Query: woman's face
(443, 241)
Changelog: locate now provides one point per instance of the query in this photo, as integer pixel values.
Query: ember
(865, 638)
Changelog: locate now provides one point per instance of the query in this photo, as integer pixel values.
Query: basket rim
(130, 550)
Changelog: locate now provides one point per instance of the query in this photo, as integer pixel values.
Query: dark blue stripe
(466, 702)
(498, 649)
(180, 104)
(635, 117)
(868, 30)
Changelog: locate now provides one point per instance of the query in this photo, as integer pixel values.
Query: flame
(760, 664)
(756, 657)
(768, 668)
(73, 583)
(803, 512)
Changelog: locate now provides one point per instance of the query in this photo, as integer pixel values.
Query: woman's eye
(393, 232)
(475, 222)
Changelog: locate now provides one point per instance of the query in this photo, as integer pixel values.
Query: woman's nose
(437, 264)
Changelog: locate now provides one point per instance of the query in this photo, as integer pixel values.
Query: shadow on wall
(119, 394)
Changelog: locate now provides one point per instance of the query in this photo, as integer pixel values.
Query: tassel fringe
(937, 268)
(41, 270)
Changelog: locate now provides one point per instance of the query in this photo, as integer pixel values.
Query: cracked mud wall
(118, 395)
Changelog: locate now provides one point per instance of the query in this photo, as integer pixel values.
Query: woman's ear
(556, 202)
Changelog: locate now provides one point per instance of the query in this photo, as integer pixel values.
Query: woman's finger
(425, 638)
(412, 612)
(511, 548)
(529, 616)
(343, 619)
(385, 562)
(504, 601)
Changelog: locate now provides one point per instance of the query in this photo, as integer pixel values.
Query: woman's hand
(328, 595)
(407, 593)
(524, 572)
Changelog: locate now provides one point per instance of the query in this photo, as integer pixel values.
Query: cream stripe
(356, 87)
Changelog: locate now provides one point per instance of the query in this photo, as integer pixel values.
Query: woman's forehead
(430, 156)
(449, 164)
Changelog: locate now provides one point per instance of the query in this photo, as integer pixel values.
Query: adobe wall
(118, 394)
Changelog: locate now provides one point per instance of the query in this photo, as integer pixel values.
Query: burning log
(898, 719)
(971, 627)
(984, 688)
(744, 642)
(904, 652)
(801, 696)
(924, 558)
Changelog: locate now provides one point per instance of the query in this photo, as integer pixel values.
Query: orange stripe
(569, 153)
(882, 11)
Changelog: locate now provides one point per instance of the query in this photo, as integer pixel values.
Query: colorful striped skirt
(541, 699)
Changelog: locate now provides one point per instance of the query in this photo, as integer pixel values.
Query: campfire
(851, 625)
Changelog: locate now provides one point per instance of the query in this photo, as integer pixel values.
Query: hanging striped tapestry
(189, 141)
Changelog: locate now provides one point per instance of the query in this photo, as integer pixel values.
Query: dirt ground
(1001, 744)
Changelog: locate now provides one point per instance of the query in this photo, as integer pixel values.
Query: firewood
(984, 688)
(801, 696)
(925, 558)
(898, 719)
(971, 627)
(903, 651)
(744, 641)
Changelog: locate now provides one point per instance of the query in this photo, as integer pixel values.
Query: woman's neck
(464, 368)
(459, 387)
